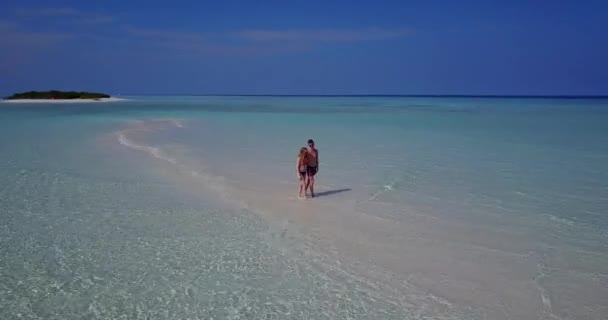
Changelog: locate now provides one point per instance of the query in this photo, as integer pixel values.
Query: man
(312, 167)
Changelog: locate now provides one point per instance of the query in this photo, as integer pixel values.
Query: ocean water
(186, 208)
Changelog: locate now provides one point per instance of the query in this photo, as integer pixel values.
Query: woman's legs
(302, 186)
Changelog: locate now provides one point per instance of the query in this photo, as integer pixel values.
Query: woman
(301, 166)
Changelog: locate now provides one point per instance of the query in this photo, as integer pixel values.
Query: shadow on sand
(330, 192)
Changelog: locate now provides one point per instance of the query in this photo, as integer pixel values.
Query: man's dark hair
(310, 141)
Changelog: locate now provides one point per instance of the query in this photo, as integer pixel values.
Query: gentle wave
(214, 182)
(155, 152)
(147, 125)
(560, 221)
(154, 124)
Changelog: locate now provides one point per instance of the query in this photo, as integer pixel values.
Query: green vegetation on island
(55, 94)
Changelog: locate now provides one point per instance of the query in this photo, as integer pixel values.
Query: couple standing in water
(307, 166)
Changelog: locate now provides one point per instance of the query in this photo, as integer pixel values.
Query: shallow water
(186, 207)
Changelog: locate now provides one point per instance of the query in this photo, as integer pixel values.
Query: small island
(57, 95)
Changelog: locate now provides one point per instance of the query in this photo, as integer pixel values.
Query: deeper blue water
(186, 208)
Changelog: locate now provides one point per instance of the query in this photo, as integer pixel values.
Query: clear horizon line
(376, 95)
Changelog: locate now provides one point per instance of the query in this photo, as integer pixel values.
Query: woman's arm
(298, 167)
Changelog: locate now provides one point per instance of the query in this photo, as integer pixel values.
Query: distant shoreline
(52, 101)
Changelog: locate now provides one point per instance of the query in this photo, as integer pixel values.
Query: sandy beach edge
(101, 100)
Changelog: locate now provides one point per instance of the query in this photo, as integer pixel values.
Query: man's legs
(310, 182)
(307, 184)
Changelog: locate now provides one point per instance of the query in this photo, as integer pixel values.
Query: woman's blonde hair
(303, 152)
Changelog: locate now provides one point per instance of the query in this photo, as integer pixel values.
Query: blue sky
(306, 47)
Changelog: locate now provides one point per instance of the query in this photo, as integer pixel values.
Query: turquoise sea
(185, 207)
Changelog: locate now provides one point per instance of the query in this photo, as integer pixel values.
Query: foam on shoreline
(53, 101)
(146, 126)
